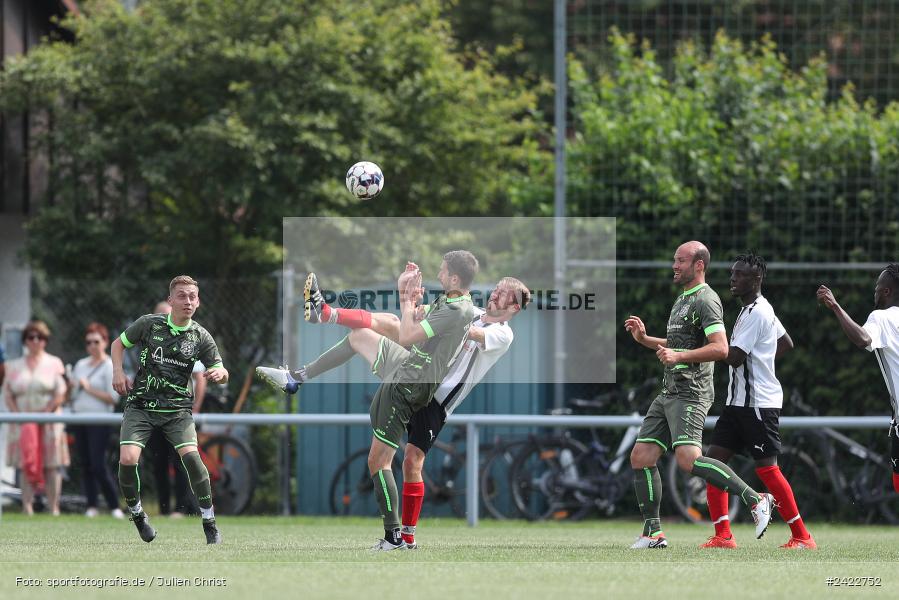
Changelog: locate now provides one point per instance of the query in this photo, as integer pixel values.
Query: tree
(178, 135)
(738, 150)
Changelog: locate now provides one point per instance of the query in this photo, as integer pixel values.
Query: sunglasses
(91, 342)
(35, 336)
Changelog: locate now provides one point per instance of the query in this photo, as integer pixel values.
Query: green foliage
(739, 151)
(520, 30)
(180, 134)
(205, 122)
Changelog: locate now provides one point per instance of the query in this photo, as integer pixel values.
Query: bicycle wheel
(352, 489)
(232, 473)
(547, 479)
(688, 494)
(495, 481)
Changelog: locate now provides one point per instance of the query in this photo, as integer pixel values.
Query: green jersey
(167, 357)
(696, 314)
(447, 322)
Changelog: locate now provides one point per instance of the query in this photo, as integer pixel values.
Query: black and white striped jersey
(756, 333)
(473, 362)
(883, 327)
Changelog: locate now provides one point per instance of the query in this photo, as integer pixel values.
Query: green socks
(129, 483)
(388, 499)
(335, 356)
(723, 477)
(199, 478)
(648, 486)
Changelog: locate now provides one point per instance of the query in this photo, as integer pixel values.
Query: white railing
(471, 423)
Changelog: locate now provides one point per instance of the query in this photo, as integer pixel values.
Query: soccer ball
(365, 180)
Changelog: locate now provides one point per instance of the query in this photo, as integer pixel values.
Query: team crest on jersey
(683, 311)
(189, 345)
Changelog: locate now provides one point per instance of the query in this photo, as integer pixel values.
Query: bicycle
(557, 477)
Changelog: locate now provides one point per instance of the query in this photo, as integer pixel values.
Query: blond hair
(522, 293)
(182, 280)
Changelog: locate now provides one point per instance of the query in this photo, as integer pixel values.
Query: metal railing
(471, 423)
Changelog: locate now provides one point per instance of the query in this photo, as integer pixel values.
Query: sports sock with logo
(648, 486)
(387, 497)
(198, 476)
(413, 497)
(332, 358)
(718, 501)
(777, 484)
(723, 477)
(129, 483)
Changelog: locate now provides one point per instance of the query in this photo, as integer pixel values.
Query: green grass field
(269, 557)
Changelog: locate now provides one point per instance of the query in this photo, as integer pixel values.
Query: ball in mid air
(364, 180)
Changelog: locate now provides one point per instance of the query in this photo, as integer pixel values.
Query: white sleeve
(874, 327)
(198, 367)
(497, 339)
(747, 333)
(779, 329)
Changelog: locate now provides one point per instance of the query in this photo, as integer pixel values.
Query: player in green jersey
(433, 335)
(160, 397)
(695, 339)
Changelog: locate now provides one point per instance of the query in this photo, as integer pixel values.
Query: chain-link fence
(858, 38)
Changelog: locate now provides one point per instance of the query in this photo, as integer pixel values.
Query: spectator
(34, 383)
(165, 457)
(92, 392)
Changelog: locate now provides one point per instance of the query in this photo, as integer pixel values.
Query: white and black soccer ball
(365, 180)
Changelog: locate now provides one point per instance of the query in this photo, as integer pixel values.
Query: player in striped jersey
(880, 335)
(754, 400)
(488, 339)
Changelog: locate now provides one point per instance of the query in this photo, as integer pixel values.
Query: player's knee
(686, 455)
(129, 455)
(685, 462)
(378, 460)
(642, 457)
(358, 335)
(413, 463)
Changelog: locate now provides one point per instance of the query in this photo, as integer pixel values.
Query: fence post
(471, 473)
(3, 428)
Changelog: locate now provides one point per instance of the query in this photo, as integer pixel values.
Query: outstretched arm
(784, 345)
(855, 332)
(638, 330)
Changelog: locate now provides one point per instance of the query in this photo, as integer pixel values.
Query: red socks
(413, 496)
(718, 500)
(783, 493)
(354, 318)
(896, 482)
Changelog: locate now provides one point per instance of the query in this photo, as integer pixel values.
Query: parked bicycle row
(576, 474)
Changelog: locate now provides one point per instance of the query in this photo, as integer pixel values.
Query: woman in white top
(92, 392)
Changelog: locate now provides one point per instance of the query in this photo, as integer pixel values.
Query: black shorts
(894, 445)
(754, 429)
(425, 426)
